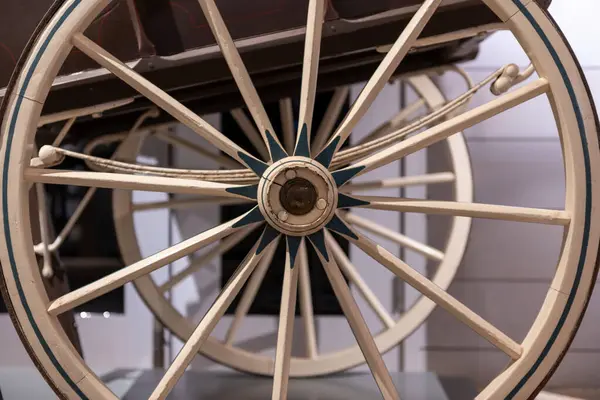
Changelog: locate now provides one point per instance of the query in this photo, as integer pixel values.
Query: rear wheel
(392, 327)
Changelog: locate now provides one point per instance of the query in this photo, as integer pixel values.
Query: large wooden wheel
(315, 181)
(317, 360)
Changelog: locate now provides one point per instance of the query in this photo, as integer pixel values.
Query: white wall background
(516, 160)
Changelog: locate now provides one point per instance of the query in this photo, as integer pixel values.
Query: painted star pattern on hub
(325, 157)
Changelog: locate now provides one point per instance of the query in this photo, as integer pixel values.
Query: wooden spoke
(140, 268)
(395, 237)
(440, 297)
(310, 67)
(385, 70)
(403, 181)
(85, 200)
(158, 96)
(475, 210)
(332, 114)
(250, 131)
(130, 182)
(452, 126)
(396, 122)
(205, 258)
(178, 204)
(220, 159)
(354, 277)
(206, 325)
(238, 69)
(287, 123)
(306, 305)
(359, 328)
(287, 313)
(249, 294)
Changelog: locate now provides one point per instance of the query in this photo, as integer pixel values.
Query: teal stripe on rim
(588, 199)
(9, 139)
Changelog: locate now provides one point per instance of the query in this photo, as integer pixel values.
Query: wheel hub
(297, 196)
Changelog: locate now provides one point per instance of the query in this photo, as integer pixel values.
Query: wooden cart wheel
(321, 183)
(317, 360)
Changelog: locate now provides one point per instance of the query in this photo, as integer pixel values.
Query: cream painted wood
(543, 346)
(554, 396)
(177, 141)
(403, 181)
(287, 313)
(474, 210)
(572, 281)
(332, 114)
(287, 123)
(454, 125)
(440, 297)
(193, 202)
(140, 268)
(157, 96)
(208, 323)
(306, 304)
(396, 122)
(238, 69)
(451, 36)
(201, 261)
(250, 131)
(359, 327)
(130, 182)
(328, 361)
(310, 66)
(95, 110)
(396, 237)
(63, 132)
(89, 194)
(385, 70)
(44, 231)
(249, 295)
(354, 277)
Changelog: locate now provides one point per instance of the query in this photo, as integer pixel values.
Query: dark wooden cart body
(178, 50)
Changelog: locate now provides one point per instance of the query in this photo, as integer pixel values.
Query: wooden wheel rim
(326, 363)
(554, 327)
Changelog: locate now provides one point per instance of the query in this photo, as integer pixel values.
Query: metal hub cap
(297, 196)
